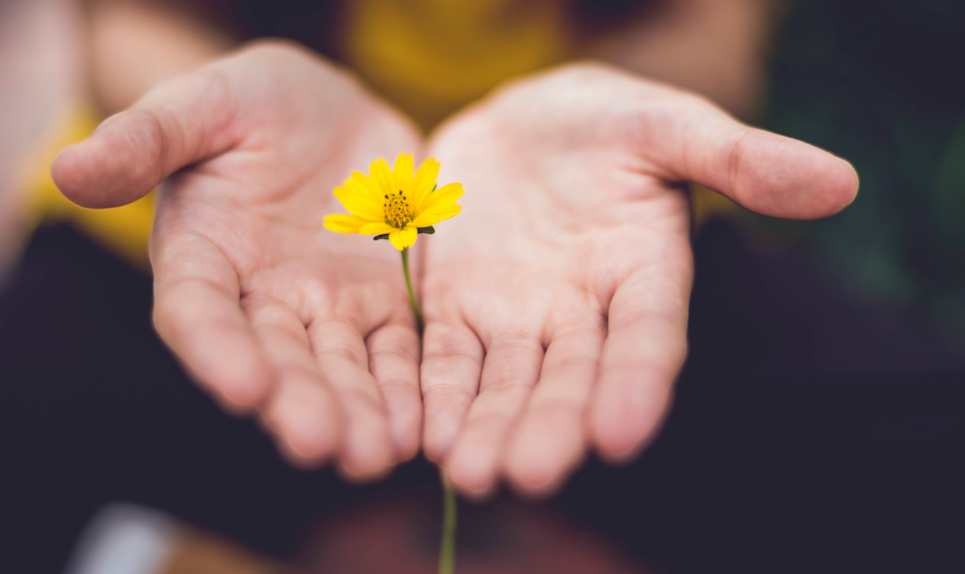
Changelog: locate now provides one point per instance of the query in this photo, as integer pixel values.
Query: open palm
(556, 309)
(266, 308)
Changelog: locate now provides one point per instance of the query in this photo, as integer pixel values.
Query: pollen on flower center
(411, 203)
(397, 212)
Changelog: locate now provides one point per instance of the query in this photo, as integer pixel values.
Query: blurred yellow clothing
(428, 57)
(431, 57)
(122, 230)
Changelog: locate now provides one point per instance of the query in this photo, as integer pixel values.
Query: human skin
(243, 279)
(556, 303)
(136, 44)
(556, 306)
(270, 312)
(42, 76)
(718, 48)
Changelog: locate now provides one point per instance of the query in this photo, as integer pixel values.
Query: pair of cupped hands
(555, 304)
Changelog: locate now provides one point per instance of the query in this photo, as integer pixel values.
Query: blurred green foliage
(882, 84)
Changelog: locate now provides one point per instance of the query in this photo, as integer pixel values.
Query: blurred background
(819, 423)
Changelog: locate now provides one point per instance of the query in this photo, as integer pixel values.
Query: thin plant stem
(408, 283)
(447, 549)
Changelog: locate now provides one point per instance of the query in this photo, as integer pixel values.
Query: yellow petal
(342, 223)
(376, 228)
(436, 214)
(423, 181)
(442, 196)
(403, 238)
(403, 172)
(360, 204)
(363, 184)
(382, 174)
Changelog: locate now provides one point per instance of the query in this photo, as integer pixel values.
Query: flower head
(395, 203)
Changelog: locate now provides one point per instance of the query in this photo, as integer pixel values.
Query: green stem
(408, 283)
(447, 549)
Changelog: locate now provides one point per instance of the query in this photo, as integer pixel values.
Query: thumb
(178, 123)
(762, 171)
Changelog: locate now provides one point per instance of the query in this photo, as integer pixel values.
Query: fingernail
(856, 177)
(56, 157)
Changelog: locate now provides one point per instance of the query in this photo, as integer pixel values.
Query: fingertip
(433, 452)
(854, 183)
(838, 187)
(438, 436)
(544, 450)
(405, 422)
(624, 417)
(535, 490)
(361, 474)
(53, 166)
(210, 335)
(240, 384)
(472, 466)
(617, 450)
(406, 437)
(614, 443)
(119, 163)
(479, 496)
(367, 452)
(445, 408)
(532, 480)
(304, 418)
(785, 177)
(69, 172)
(239, 387)
(477, 488)
(244, 387)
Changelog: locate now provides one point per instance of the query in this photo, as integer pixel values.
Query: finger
(549, 442)
(179, 123)
(367, 451)
(394, 362)
(645, 348)
(771, 174)
(509, 372)
(452, 359)
(302, 411)
(197, 313)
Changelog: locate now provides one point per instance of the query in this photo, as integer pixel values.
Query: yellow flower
(394, 202)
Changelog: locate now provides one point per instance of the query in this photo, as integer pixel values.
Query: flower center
(397, 212)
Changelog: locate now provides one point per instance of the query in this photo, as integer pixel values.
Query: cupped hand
(269, 311)
(556, 303)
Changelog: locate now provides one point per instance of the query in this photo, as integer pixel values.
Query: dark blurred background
(819, 423)
(879, 84)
